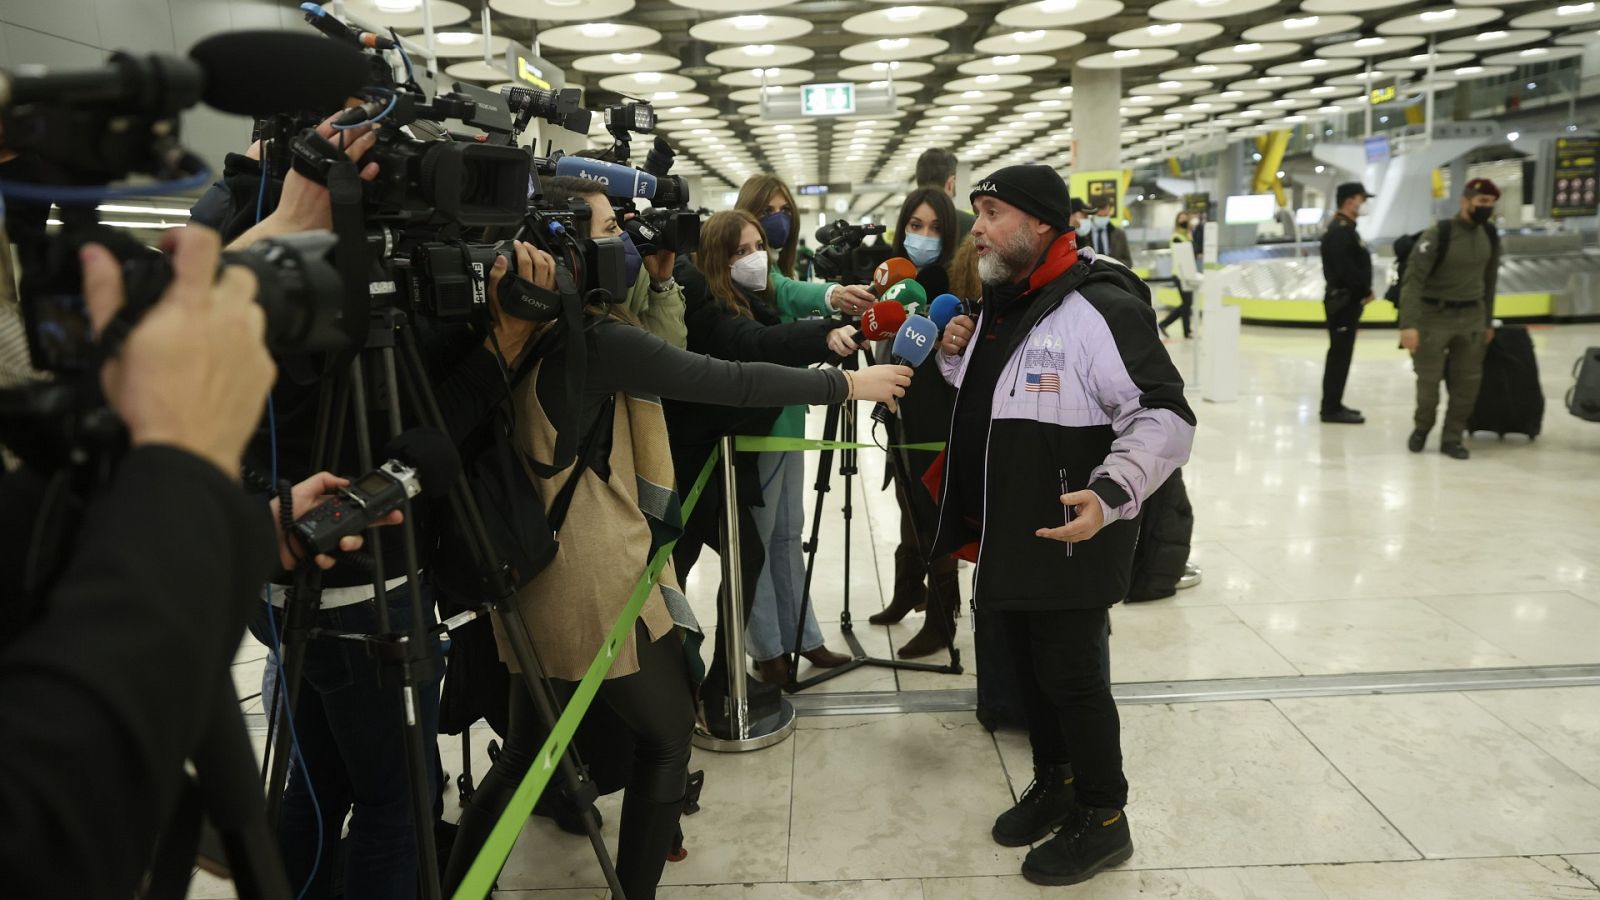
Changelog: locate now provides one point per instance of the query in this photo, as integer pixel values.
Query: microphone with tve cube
(911, 347)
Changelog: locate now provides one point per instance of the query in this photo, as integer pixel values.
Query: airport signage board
(1575, 178)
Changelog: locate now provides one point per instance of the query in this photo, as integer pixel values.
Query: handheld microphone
(944, 308)
(891, 272)
(881, 321)
(626, 182)
(420, 460)
(328, 25)
(911, 347)
(251, 73)
(907, 293)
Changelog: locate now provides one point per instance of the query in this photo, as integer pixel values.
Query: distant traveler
(1106, 238)
(1347, 273)
(1447, 313)
(1184, 274)
(936, 167)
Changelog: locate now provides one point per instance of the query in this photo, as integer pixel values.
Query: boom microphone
(328, 25)
(258, 73)
(891, 272)
(911, 347)
(626, 182)
(422, 460)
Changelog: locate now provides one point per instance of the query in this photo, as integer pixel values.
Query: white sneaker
(1191, 576)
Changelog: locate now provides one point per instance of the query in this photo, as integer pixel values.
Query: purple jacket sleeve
(1137, 385)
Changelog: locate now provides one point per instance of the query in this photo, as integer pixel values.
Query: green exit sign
(827, 99)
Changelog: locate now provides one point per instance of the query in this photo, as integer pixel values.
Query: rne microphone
(420, 460)
(911, 347)
(891, 272)
(881, 321)
(626, 182)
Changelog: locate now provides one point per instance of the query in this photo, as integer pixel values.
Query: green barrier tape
(481, 875)
(751, 444)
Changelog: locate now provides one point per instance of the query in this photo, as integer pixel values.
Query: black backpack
(1402, 250)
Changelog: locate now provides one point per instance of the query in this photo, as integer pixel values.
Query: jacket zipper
(950, 442)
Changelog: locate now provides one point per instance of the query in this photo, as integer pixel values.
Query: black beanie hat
(1036, 190)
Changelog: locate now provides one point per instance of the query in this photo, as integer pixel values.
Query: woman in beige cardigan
(623, 506)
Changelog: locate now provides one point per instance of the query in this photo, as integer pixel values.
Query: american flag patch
(1044, 383)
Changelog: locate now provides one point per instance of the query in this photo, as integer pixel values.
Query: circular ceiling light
(1302, 28)
(1171, 86)
(1207, 72)
(751, 29)
(756, 77)
(1055, 13)
(905, 20)
(407, 14)
(1166, 34)
(912, 48)
(1494, 39)
(1419, 61)
(1128, 59)
(1036, 41)
(647, 83)
(599, 37)
(1532, 56)
(1010, 64)
(1439, 20)
(1366, 47)
(765, 55)
(559, 10)
(1567, 15)
(1349, 6)
(1249, 52)
(606, 63)
(1206, 10)
(984, 83)
(1315, 66)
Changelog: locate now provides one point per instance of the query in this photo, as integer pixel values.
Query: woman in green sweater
(781, 519)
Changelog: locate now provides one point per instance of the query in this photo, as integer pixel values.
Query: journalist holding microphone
(1069, 413)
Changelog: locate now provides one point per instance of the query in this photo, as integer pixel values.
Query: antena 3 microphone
(891, 272)
(421, 459)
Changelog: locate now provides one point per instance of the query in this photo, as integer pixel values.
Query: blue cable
(261, 201)
(277, 652)
(394, 98)
(78, 195)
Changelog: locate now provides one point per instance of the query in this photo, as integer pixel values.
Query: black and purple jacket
(1088, 389)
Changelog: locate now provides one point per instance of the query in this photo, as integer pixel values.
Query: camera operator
(349, 720)
(115, 670)
(655, 298)
(620, 507)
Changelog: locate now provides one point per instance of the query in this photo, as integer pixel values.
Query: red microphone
(891, 272)
(881, 321)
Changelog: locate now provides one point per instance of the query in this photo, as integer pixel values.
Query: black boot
(1417, 441)
(649, 833)
(1095, 839)
(1048, 802)
(936, 631)
(909, 592)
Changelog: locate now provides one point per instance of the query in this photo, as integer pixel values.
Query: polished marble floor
(1327, 551)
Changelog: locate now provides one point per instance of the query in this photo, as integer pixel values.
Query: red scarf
(1062, 255)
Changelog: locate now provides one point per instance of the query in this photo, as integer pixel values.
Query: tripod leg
(830, 429)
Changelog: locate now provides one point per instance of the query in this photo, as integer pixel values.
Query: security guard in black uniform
(1347, 272)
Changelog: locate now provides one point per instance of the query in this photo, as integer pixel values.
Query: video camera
(840, 254)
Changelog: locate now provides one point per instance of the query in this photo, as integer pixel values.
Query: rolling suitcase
(1583, 399)
(1511, 400)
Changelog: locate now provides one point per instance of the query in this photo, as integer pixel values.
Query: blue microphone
(623, 182)
(911, 347)
(944, 308)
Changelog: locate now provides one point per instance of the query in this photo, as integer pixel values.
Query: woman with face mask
(925, 233)
(738, 317)
(619, 511)
(769, 199)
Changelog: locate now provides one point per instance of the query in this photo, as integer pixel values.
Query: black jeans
(657, 705)
(349, 727)
(1060, 660)
(1343, 323)
(703, 529)
(1184, 311)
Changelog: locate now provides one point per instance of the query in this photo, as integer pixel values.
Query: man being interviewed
(1068, 409)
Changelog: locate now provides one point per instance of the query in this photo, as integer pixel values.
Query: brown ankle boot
(936, 632)
(774, 671)
(823, 658)
(901, 606)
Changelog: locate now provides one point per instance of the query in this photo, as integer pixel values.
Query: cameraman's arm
(103, 699)
(304, 204)
(660, 310)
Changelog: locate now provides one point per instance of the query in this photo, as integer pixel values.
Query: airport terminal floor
(1387, 684)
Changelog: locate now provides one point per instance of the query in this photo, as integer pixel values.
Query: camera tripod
(408, 655)
(841, 424)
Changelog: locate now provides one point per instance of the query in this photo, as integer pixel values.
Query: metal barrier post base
(763, 733)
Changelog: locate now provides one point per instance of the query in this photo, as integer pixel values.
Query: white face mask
(1085, 226)
(750, 271)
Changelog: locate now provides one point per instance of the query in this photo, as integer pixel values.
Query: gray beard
(1003, 265)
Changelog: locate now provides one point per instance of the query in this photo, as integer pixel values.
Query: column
(1097, 118)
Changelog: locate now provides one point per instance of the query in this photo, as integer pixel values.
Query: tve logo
(597, 179)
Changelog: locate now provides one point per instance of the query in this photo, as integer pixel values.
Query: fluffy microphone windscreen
(257, 73)
(915, 340)
(944, 308)
(432, 454)
(882, 320)
(907, 293)
(891, 272)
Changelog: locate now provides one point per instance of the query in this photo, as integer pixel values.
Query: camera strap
(527, 301)
(312, 155)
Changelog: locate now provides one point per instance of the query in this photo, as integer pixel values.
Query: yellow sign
(530, 73)
(1383, 94)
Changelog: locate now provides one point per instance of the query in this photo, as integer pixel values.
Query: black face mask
(1481, 214)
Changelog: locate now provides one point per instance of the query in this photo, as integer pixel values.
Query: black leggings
(656, 704)
(1184, 311)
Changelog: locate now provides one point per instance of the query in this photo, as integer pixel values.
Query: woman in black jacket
(731, 313)
(925, 233)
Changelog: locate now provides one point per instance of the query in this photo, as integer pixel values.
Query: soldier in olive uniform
(1447, 313)
(1347, 272)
